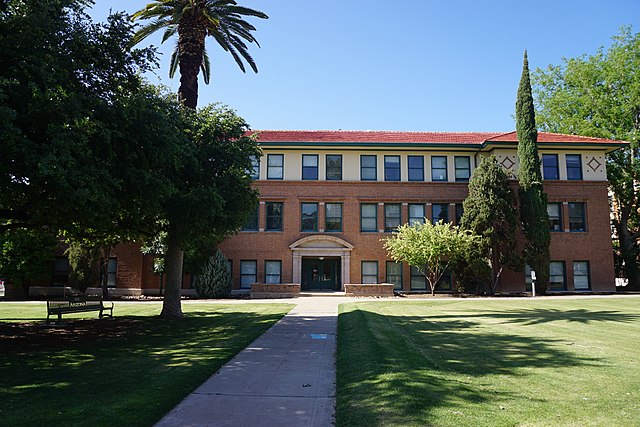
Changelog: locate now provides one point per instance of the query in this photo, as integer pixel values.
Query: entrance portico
(320, 247)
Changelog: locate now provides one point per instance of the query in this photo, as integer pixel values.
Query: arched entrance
(321, 262)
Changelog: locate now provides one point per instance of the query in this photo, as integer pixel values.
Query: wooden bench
(78, 305)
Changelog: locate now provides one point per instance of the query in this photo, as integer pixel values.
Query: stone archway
(322, 245)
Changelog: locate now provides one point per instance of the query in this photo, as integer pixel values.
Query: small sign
(533, 275)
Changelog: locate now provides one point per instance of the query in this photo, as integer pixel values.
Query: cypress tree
(533, 199)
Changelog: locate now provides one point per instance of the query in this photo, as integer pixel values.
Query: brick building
(328, 197)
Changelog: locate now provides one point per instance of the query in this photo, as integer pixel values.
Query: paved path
(286, 377)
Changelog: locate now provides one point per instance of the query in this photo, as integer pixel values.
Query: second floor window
(463, 168)
(369, 217)
(310, 166)
(309, 217)
(333, 217)
(392, 216)
(439, 168)
(577, 217)
(416, 213)
(554, 210)
(392, 168)
(550, 166)
(574, 166)
(252, 221)
(368, 168)
(254, 173)
(416, 168)
(274, 216)
(334, 167)
(275, 166)
(439, 211)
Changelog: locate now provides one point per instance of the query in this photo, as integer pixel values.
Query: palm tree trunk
(191, 35)
(173, 258)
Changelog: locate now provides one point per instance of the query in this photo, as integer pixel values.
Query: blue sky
(396, 65)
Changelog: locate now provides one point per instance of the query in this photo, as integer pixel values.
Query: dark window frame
(302, 220)
(362, 275)
(412, 218)
(583, 218)
(362, 230)
(386, 216)
(254, 173)
(468, 168)
(112, 272)
(397, 286)
(414, 273)
(559, 219)
(564, 276)
(574, 172)
(327, 168)
(550, 171)
(446, 169)
(268, 216)
(246, 226)
(411, 169)
(271, 168)
(388, 170)
(433, 216)
(588, 275)
(373, 168)
(60, 277)
(459, 213)
(312, 170)
(254, 275)
(267, 275)
(326, 217)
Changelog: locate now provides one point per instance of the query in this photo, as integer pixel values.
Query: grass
(132, 376)
(489, 363)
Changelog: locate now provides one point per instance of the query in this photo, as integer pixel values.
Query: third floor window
(550, 166)
(439, 168)
(368, 168)
(392, 168)
(310, 166)
(275, 166)
(334, 167)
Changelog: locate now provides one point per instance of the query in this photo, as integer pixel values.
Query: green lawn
(131, 373)
(489, 363)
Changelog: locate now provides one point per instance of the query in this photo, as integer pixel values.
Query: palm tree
(193, 21)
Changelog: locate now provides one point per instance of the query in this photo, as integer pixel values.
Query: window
(334, 167)
(310, 166)
(444, 284)
(577, 217)
(252, 221)
(394, 274)
(416, 168)
(274, 216)
(550, 166)
(556, 276)
(554, 210)
(392, 216)
(439, 211)
(309, 217)
(392, 168)
(275, 166)
(254, 173)
(60, 271)
(369, 272)
(112, 270)
(333, 217)
(368, 217)
(368, 168)
(418, 281)
(463, 168)
(439, 168)
(416, 213)
(248, 273)
(272, 272)
(581, 276)
(574, 166)
(459, 213)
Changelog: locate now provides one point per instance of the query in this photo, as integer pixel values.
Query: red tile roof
(348, 136)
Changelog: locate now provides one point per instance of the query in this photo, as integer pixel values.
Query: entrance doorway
(320, 273)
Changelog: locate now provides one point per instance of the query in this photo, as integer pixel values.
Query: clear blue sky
(417, 65)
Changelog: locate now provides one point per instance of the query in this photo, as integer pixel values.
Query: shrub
(214, 279)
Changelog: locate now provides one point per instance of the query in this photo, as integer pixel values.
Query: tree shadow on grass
(130, 378)
(398, 369)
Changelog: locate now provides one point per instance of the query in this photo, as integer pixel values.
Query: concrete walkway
(286, 377)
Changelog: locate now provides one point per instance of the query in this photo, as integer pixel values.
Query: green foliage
(214, 278)
(489, 211)
(84, 262)
(599, 96)
(26, 255)
(430, 248)
(533, 199)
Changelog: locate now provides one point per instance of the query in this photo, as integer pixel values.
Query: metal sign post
(533, 283)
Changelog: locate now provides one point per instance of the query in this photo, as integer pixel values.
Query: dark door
(319, 274)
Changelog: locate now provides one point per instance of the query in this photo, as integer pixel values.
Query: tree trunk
(191, 35)
(173, 258)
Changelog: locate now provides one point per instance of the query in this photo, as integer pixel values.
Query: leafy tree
(84, 264)
(214, 278)
(533, 199)
(489, 212)
(193, 21)
(430, 248)
(599, 96)
(26, 255)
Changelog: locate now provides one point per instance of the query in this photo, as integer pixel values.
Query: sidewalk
(286, 377)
